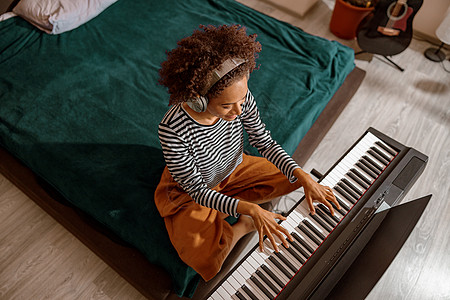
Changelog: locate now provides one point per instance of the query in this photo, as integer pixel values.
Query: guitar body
(387, 32)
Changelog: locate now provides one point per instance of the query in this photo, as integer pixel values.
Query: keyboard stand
(387, 58)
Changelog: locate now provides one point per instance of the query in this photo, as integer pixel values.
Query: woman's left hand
(316, 192)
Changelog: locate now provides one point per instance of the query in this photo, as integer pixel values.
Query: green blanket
(81, 109)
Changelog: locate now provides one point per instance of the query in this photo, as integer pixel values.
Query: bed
(79, 111)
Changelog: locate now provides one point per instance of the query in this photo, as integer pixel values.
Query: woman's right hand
(265, 223)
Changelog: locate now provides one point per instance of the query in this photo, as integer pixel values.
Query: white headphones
(200, 103)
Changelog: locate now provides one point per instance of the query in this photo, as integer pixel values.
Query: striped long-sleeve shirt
(200, 156)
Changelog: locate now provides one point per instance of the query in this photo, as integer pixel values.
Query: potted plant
(347, 14)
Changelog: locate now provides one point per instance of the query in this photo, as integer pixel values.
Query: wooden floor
(40, 260)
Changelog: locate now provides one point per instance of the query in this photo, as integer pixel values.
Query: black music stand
(380, 251)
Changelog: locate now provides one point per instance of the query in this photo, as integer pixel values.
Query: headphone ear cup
(198, 104)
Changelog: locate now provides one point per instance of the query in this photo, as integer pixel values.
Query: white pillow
(58, 16)
(7, 15)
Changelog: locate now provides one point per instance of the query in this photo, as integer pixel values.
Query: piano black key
(380, 165)
(261, 286)
(353, 187)
(314, 229)
(249, 293)
(273, 276)
(363, 165)
(300, 248)
(346, 195)
(306, 231)
(361, 173)
(240, 296)
(286, 261)
(372, 164)
(358, 178)
(324, 209)
(330, 221)
(268, 283)
(303, 243)
(294, 253)
(386, 148)
(349, 191)
(382, 153)
(378, 157)
(321, 222)
(344, 207)
(280, 266)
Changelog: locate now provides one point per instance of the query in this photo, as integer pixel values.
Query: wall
(430, 16)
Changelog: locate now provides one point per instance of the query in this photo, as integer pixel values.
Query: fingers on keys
(279, 232)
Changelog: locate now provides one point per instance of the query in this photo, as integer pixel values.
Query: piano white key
(255, 255)
(233, 282)
(215, 296)
(268, 245)
(297, 217)
(265, 254)
(238, 276)
(248, 268)
(289, 225)
(371, 137)
(355, 159)
(366, 144)
(303, 209)
(253, 263)
(343, 170)
(223, 293)
(334, 178)
(326, 181)
(228, 288)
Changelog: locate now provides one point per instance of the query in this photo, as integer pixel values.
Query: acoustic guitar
(388, 31)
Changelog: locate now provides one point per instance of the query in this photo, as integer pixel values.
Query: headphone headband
(227, 66)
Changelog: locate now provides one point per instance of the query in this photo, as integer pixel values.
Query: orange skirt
(199, 234)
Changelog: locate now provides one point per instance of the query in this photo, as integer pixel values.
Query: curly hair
(188, 67)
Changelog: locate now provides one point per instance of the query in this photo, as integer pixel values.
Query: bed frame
(149, 279)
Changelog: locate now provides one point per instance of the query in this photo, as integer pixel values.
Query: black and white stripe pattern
(200, 156)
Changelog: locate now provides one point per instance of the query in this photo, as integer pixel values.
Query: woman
(207, 177)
